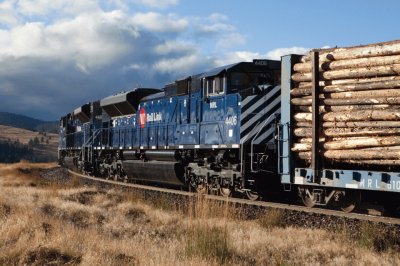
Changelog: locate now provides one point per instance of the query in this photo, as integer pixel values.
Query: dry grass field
(45, 223)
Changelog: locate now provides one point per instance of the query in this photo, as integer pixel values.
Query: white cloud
(174, 47)
(44, 7)
(70, 52)
(277, 53)
(248, 56)
(214, 28)
(230, 40)
(217, 27)
(238, 56)
(159, 23)
(7, 13)
(182, 65)
(216, 17)
(89, 40)
(159, 4)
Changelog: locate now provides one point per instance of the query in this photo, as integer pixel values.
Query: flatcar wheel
(252, 195)
(392, 209)
(350, 200)
(308, 198)
(225, 191)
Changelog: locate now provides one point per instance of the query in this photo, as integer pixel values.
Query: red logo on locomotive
(142, 117)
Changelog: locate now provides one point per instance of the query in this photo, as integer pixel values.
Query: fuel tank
(161, 155)
(70, 163)
(162, 172)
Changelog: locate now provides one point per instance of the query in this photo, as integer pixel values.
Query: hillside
(29, 123)
(17, 144)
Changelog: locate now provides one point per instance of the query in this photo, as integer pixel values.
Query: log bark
(377, 71)
(301, 147)
(364, 115)
(349, 88)
(359, 154)
(350, 63)
(348, 81)
(369, 94)
(372, 162)
(371, 50)
(302, 132)
(360, 101)
(302, 124)
(356, 132)
(387, 162)
(362, 154)
(362, 142)
(355, 124)
(301, 101)
(377, 85)
(363, 94)
(324, 109)
(341, 102)
(302, 117)
(309, 140)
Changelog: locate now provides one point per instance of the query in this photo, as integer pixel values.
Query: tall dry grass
(42, 223)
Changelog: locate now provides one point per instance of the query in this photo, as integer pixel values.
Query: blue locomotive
(228, 130)
(213, 131)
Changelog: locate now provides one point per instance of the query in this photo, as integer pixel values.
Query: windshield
(244, 80)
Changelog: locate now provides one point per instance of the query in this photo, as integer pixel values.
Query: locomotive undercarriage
(217, 172)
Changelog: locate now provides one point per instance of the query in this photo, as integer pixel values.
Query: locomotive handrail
(254, 138)
(90, 140)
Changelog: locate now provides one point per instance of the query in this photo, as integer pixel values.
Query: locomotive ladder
(89, 146)
(281, 141)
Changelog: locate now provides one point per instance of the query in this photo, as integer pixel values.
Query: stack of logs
(359, 104)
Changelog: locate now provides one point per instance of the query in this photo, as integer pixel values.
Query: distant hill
(21, 144)
(29, 123)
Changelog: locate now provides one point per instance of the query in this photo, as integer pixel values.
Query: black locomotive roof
(126, 102)
(218, 70)
(83, 113)
(270, 64)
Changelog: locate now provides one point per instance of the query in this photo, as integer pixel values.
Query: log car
(339, 134)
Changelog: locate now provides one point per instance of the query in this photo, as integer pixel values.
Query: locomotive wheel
(225, 191)
(307, 197)
(202, 188)
(350, 200)
(252, 195)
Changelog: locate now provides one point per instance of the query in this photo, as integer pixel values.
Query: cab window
(214, 85)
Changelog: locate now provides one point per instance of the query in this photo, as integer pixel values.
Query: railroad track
(260, 204)
(291, 214)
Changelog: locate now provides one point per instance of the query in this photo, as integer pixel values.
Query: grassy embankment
(70, 224)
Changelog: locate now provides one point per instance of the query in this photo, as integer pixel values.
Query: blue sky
(58, 54)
